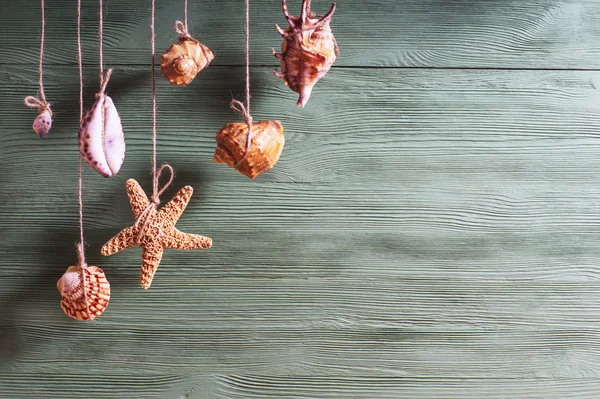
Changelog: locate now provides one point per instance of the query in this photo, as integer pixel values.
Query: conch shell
(265, 147)
(101, 139)
(182, 61)
(84, 298)
(308, 50)
(43, 122)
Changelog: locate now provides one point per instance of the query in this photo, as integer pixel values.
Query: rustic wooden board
(429, 232)
(382, 33)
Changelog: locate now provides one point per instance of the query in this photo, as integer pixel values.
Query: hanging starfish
(154, 230)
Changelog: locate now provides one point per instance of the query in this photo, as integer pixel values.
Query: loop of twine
(181, 28)
(41, 105)
(142, 220)
(81, 255)
(104, 82)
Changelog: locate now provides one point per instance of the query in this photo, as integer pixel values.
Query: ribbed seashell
(101, 139)
(42, 123)
(182, 61)
(308, 50)
(265, 147)
(97, 291)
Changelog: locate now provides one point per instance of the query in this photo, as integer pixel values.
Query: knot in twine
(103, 82)
(239, 107)
(41, 105)
(182, 29)
(81, 255)
(144, 218)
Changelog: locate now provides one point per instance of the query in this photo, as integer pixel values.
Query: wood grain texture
(382, 33)
(429, 232)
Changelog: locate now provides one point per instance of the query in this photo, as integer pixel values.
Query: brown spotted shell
(265, 147)
(182, 61)
(97, 291)
(43, 122)
(308, 50)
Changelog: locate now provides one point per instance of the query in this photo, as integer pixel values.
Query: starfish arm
(180, 240)
(151, 256)
(137, 197)
(125, 239)
(173, 210)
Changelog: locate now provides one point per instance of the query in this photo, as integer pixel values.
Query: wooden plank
(408, 33)
(427, 233)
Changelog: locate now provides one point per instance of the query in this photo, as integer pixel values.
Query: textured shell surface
(308, 50)
(265, 148)
(101, 138)
(182, 61)
(42, 123)
(84, 299)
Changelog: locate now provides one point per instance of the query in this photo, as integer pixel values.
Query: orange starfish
(154, 230)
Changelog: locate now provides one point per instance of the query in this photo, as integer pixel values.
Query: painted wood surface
(429, 232)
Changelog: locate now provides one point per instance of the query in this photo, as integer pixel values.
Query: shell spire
(308, 49)
(85, 292)
(183, 60)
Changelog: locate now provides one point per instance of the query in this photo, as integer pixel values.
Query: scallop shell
(182, 61)
(42, 123)
(101, 139)
(308, 50)
(265, 147)
(97, 291)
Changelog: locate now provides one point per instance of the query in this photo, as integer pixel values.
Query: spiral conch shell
(182, 61)
(308, 50)
(43, 122)
(265, 148)
(84, 299)
(101, 139)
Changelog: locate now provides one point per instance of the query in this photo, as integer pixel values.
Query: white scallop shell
(43, 123)
(84, 299)
(101, 139)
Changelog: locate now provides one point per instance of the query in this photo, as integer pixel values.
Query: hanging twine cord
(182, 27)
(30, 101)
(236, 105)
(103, 82)
(81, 244)
(143, 219)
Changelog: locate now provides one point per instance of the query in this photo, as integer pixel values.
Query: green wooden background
(431, 230)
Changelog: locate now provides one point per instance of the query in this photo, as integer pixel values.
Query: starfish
(155, 230)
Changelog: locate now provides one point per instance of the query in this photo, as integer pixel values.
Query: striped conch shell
(84, 299)
(101, 139)
(308, 50)
(265, 148)
(182, 61)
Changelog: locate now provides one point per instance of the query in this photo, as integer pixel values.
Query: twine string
(236, 105)
(100, 34)
(181, 28)
(142, 220)
(30, 101)
(81, 245)
(103, 82)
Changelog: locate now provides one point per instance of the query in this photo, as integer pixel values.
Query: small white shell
(97, 292)
(43, 123)
(101, 139)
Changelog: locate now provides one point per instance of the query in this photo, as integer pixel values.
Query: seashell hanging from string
(101, 138)
(85, 292)
(182, 61)
(265, 148)
(308, 50)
